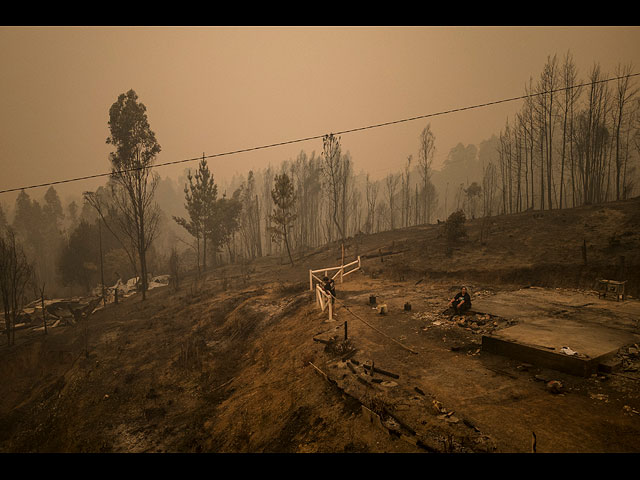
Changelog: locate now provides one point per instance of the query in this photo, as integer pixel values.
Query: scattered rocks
(475, 323)
(388, 383)
(483, 293)
(555, 387)
(629, 358)
(426, 316)
(599, 396)
(449, 418)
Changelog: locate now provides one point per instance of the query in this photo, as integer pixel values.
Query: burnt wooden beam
(383, 372)
(363, 381)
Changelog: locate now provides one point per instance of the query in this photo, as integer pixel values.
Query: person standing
(330, 288)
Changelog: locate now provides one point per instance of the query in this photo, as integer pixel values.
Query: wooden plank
(371, 417)
(319, 371)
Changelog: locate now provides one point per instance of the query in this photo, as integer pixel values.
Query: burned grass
(224, 365)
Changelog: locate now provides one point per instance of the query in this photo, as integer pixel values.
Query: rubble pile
(58, 311)
(630, 357)
(68, 311)
(130, 287)
(479, 323)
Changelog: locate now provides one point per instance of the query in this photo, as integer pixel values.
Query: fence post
(342, 264)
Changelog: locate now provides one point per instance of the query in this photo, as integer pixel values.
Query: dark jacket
(460, 296)
(329, 287)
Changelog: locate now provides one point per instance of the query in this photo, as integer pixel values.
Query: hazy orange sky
(220, 89)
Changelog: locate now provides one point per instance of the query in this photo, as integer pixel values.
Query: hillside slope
(234, 363)
(530, 248)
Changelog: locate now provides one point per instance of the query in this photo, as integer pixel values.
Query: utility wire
(378, 330)
(316, 137)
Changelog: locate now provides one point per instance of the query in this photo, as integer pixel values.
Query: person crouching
(461, 302)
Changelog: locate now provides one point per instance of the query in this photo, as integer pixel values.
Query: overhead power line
(316, 137)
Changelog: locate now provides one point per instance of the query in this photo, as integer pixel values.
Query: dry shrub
(454, 229)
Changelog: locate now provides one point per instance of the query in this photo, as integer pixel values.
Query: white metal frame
(324, 299)
(340, 271)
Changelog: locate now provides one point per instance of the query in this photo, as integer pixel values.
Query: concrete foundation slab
(565, 331)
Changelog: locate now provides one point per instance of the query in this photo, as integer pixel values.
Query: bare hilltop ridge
(245, 360)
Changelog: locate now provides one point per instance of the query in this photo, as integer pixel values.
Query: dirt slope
(256, 367)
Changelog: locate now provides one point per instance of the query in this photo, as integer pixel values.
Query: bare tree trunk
(44, 311)
(104, 300)
(391, 182)
(258, 235)
(623, 96)
(286, 242)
